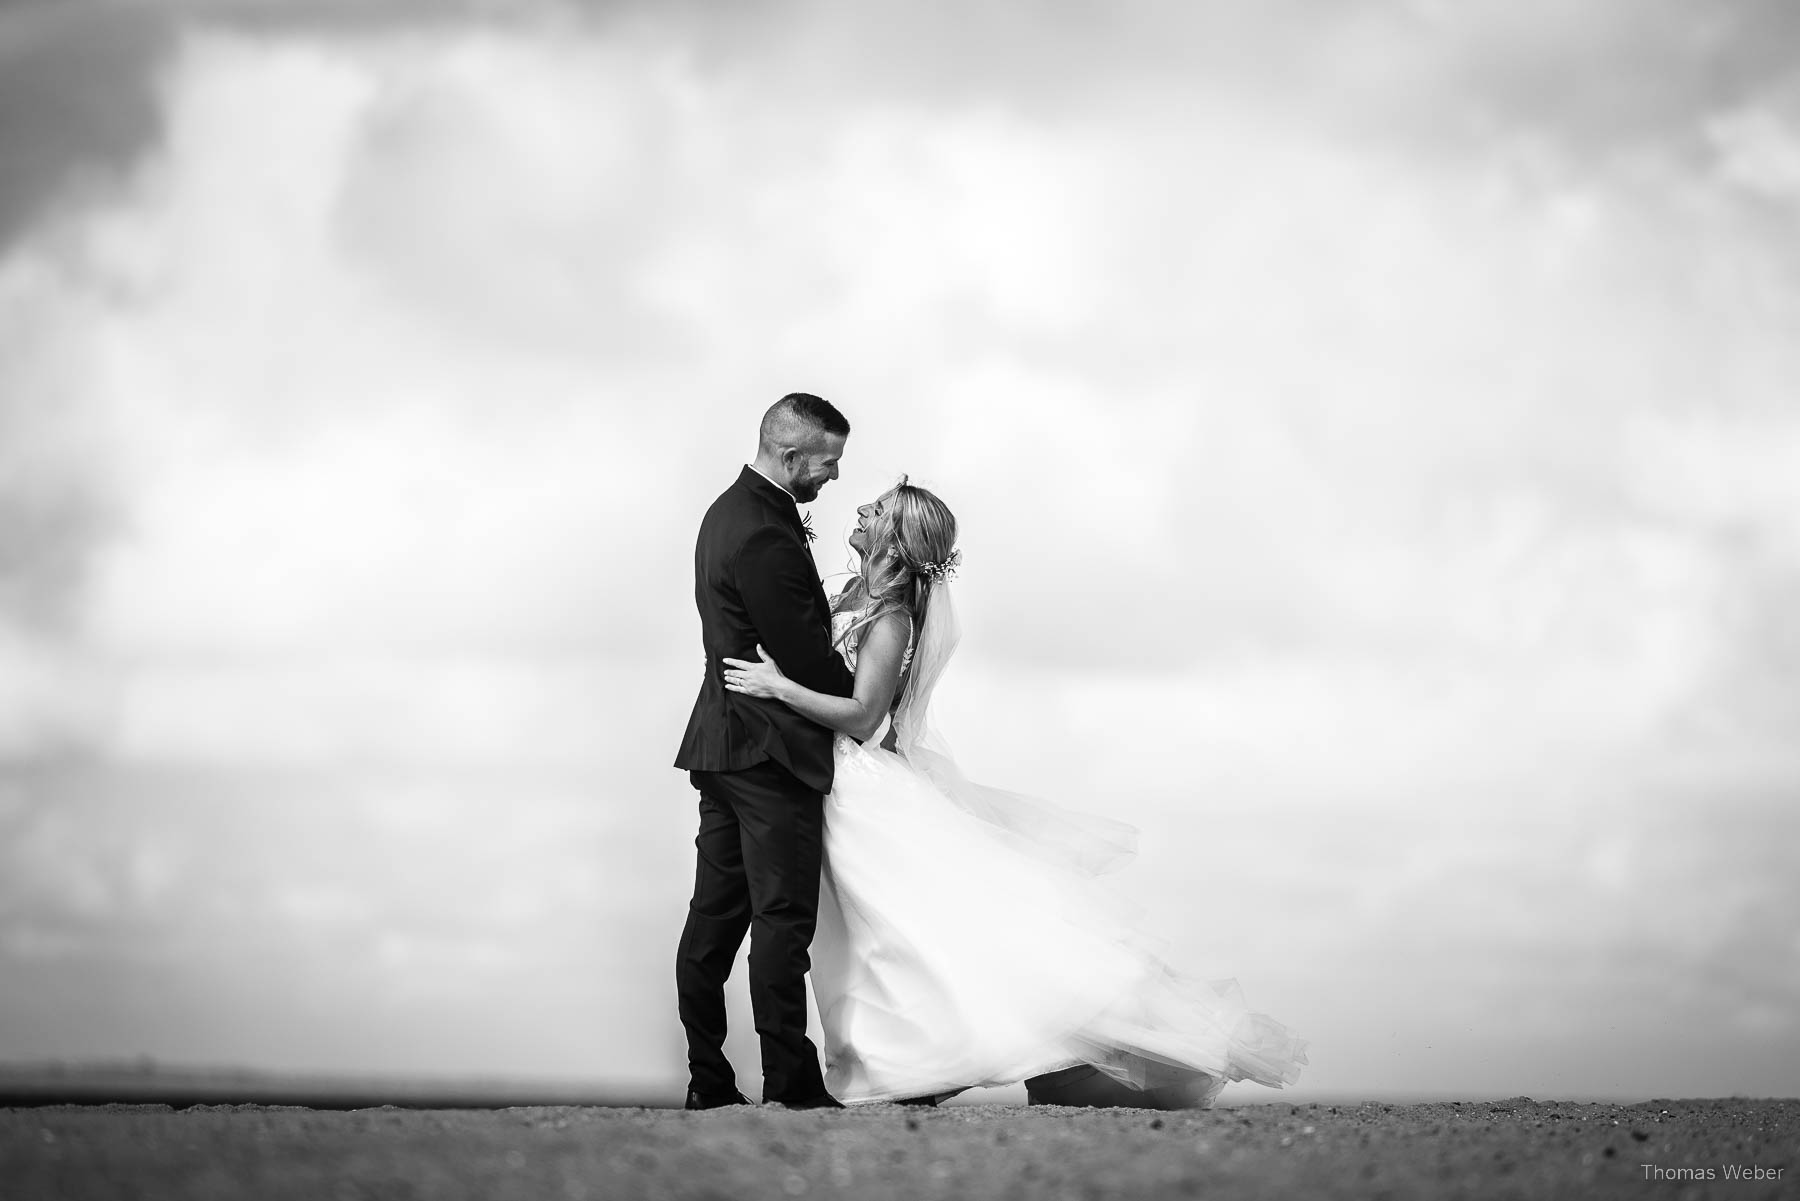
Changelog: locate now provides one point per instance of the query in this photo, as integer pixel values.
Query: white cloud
(1377, 523)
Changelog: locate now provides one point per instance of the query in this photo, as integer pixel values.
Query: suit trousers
(757, 869)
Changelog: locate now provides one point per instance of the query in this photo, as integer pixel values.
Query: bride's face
(859, 537)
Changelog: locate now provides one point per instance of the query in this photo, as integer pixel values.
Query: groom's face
(814, 465)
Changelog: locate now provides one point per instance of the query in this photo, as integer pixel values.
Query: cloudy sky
(1375, 427)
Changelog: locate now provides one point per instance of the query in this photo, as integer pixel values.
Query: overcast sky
(1373, 425)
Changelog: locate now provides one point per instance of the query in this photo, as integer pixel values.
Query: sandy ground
(1517, 1148)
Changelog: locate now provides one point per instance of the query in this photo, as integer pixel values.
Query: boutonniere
(806, 527)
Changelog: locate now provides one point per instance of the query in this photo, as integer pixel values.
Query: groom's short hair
(796, 415)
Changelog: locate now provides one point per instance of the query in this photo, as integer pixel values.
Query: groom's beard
(804, 492)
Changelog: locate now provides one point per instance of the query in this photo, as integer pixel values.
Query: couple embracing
(962, 936)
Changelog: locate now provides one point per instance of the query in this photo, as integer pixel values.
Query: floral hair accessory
(943, 573)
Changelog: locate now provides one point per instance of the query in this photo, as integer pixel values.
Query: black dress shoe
(822, 1101)
(699, 1100)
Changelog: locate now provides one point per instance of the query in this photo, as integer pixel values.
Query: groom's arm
(776, 581)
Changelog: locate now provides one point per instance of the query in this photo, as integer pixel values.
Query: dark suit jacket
(754, 582)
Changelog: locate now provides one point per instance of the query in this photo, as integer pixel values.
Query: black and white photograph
(708, 599)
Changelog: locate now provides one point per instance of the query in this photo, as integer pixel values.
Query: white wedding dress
(964, 939)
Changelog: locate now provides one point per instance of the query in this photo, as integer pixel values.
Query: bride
(963, 938)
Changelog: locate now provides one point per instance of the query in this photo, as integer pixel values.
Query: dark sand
(1517, 1148)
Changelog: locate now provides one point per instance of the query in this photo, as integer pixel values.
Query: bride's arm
(878, 661)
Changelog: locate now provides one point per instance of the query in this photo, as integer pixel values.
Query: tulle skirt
(964, 940)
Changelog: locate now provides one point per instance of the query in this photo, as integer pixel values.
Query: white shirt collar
(765, 475)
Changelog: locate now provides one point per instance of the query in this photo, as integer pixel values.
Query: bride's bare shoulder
(887, 635)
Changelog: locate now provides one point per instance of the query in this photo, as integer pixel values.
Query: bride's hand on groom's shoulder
(763, 678)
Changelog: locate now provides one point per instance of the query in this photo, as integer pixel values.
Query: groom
(762, 770)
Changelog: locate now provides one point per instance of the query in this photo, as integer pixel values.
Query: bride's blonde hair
(908, 548)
